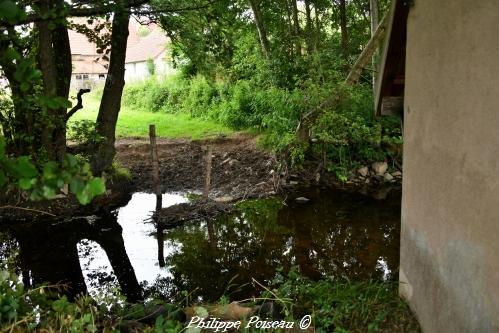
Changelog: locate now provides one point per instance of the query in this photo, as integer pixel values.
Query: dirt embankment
(239, 168)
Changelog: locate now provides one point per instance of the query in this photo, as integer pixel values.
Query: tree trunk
(309, 28)
(296, 24)
(344, 29)
(113, 89)
(49, 76)
(63, 63)
(260, 26)
(317, 28)
(289, 21)
(373, 8)
(55, 65)
(30, 130)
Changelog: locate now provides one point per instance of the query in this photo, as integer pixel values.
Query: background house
(147, 52)
(88, 69)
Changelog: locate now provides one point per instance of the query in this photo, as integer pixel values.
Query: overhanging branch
(105, 9)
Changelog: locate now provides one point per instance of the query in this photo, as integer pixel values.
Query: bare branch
(27, 209)
(78, 105)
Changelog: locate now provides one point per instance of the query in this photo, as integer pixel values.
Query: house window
(85, 76)
(102, 76)
(78, 76)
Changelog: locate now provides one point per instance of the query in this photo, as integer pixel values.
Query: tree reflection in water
(335, 234)
(48, 253)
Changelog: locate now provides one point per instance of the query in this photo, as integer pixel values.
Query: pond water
(334, 234)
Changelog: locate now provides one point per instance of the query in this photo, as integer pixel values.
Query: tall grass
(134, 118)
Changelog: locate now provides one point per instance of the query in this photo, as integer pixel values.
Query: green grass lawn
(135, 123)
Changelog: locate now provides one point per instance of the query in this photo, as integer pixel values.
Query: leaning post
(207, 179)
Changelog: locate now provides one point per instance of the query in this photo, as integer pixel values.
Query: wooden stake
(207, 179)
(154, 161)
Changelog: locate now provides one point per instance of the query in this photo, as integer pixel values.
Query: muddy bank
(239, 168)
(200, 210)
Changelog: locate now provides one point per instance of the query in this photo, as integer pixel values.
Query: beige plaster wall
(450, 209)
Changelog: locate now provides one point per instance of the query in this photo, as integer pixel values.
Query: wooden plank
(392, 65)
(366, 56)
(392, 106)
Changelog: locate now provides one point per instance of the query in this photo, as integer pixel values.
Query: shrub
(344, 306)
(157, 94)
(83, 132)
(198, 100)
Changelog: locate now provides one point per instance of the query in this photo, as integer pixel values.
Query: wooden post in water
(207, 179)
(157, 190)
(154, 161)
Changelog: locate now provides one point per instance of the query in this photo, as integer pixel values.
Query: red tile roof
(147, 47)
(138, 49)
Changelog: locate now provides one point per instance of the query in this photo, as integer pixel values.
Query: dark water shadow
(336, 235)
(48, 253)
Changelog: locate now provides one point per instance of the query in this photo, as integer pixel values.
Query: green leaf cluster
(47, 180)
(344, 306)
(10, 11)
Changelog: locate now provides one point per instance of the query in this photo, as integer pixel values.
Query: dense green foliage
(343, 306)
(345, 126)
(45, 180)
(42, 308)
(33, 156)
(335, 306)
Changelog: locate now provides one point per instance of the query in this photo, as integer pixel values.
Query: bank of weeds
(335, 306)
(339, 119)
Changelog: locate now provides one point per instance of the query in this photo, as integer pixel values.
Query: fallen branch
(27, 209)
(78, 105)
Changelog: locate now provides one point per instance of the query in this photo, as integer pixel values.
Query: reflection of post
(207, 180)
(159, 232)
(161, 245)
(154, 160)
(212, 235)
(157, 191)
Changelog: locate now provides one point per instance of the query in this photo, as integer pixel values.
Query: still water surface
(335, 234)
